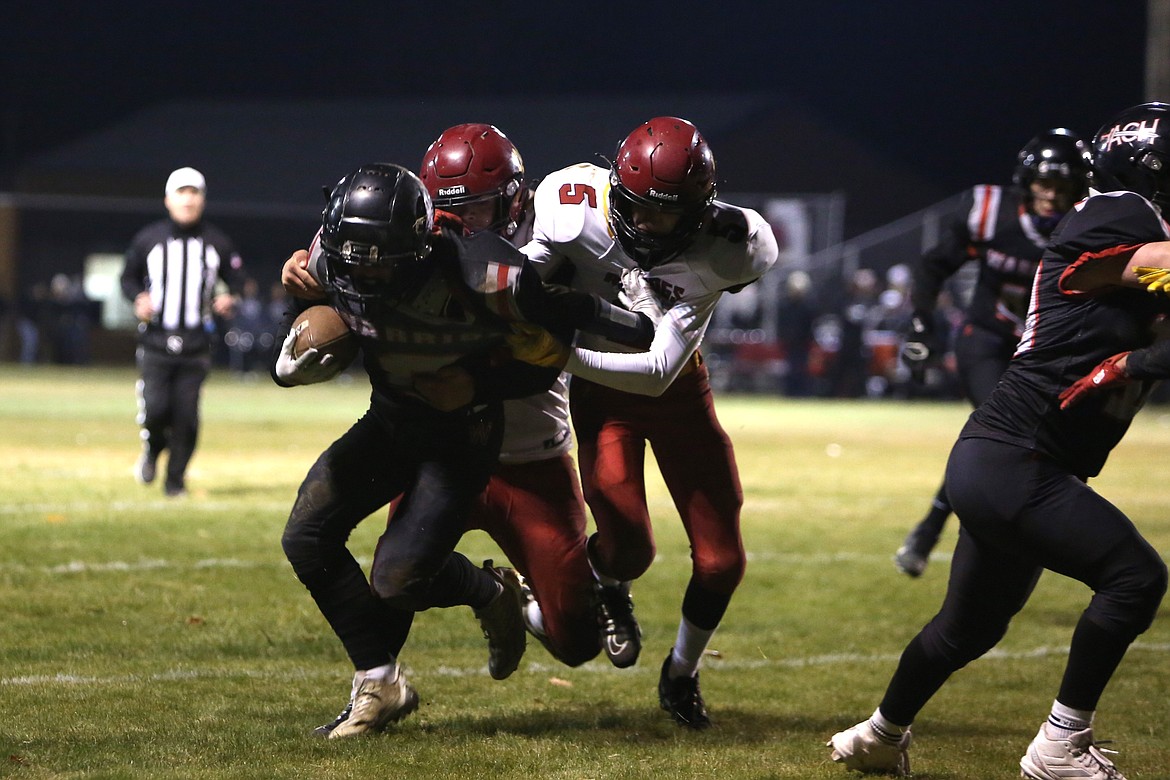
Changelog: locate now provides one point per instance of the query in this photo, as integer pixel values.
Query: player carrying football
(430, 308)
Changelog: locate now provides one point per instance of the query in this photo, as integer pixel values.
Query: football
(326, 332)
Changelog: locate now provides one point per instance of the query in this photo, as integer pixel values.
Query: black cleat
(146, 467)
(681, 698)
(502, 621)
(327, 729)
(913, 556)
(621, 636)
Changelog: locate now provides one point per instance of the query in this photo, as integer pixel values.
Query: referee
(178, 271)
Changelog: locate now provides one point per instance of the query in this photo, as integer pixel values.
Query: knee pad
(958, 644)
(1130, 600)
(399, 587)
(721, 571)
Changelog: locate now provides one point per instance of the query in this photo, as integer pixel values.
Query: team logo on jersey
(1131, 132)
(445, 192)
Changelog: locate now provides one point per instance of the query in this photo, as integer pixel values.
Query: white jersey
(536, 427)
(734, 248)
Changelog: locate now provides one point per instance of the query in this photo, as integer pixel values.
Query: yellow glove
(1157, 280)
(533, 344)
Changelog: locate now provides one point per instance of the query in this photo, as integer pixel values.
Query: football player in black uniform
(430, 307)
(1004, 229)
(1017, 475)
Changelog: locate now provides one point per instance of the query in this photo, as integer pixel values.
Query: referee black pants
(168, 391)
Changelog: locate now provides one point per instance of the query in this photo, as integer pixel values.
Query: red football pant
(535, 513)
(697, 463)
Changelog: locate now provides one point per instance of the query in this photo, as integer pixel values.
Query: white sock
(688, 649)
(358, 676)
(886, 729)
(534, 618)
(1064, 721)
(383, 672)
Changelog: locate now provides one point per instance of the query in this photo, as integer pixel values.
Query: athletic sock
(887, 731)
(1064, 721)
(688, 649)
(535, 618)
(384, 672)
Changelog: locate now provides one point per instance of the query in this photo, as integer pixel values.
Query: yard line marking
(712, 664)
(146, 564)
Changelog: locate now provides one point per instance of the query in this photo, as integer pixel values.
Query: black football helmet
(664, 165)
(473, 162)
(1132, 152)
(375, 234)
(1058, 153)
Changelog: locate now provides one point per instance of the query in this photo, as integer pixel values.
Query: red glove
(1106, 374)
(445, 219)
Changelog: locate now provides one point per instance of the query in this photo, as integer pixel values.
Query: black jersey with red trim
(1068, 334)
(460, 313)
(993, 227)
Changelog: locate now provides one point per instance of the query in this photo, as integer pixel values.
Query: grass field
(154, 638)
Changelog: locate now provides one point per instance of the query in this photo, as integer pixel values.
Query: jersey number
(576, 193)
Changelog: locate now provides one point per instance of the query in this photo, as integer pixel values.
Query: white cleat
(859, 747)
(1075, 756)
(377, 702)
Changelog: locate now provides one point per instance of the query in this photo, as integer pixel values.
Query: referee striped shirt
(180, 267)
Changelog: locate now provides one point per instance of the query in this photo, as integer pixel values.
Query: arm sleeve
(134, 271)
(650, 372)
(231, 271)
(1152, 362)
(941, 261)
(563, 311)
(500, 378)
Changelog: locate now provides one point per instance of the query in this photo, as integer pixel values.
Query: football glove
(920, 345)
(1107, 374)
(533, 344)
(1156, 280)
(308, 368)
(637, 296)
(445, 219)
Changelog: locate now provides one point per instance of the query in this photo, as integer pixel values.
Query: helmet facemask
(375, 235)
(469, 165)
(646, 248)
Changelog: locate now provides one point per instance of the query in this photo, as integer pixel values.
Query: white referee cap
(185, 177)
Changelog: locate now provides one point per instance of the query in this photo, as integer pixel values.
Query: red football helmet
(664, 165)
(475, 162)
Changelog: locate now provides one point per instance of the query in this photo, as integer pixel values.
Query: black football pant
(439, 464)
(1022, 514)
(982, 356)
(168, 406)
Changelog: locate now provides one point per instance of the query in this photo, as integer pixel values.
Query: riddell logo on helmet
(1129, 133)
(458, 189)
(653, 193)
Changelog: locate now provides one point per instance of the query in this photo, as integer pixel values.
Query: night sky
(951, 89)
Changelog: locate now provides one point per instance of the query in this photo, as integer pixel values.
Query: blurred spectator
(243, 336)
(29, 318)
(794, 323)
(851, 368)
(72, 317)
